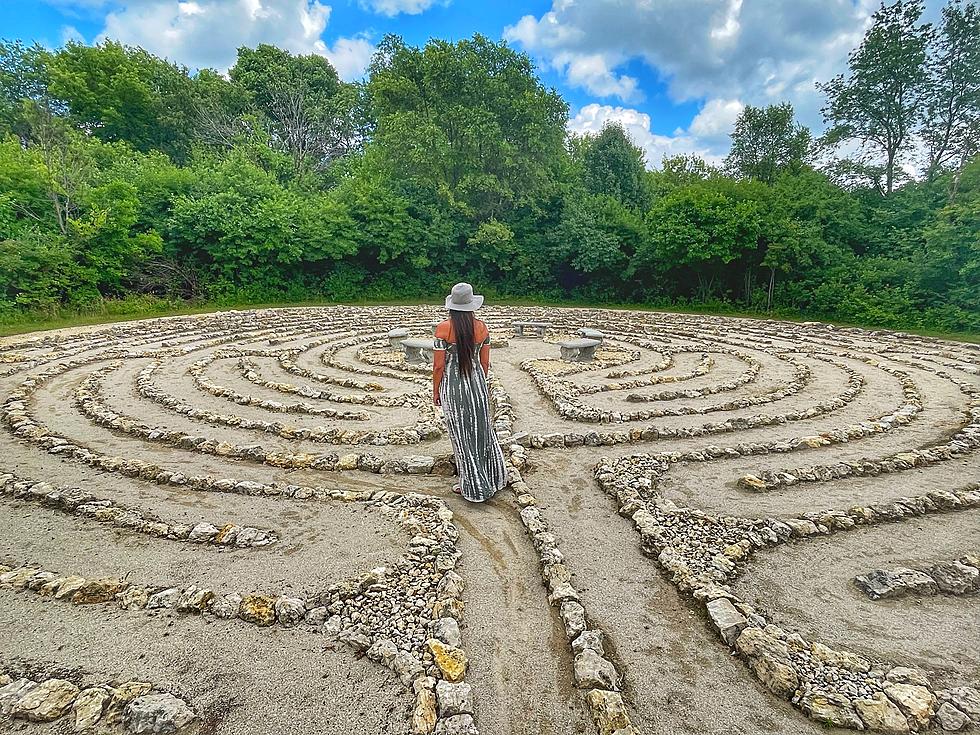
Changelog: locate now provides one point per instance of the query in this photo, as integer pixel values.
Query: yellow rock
(258, 609)
(222, 536)
(424, 714)
(347, 462)
(98, 590)
(451, 661)
(751, 482)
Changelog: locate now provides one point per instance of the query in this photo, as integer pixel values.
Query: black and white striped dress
(466, 405)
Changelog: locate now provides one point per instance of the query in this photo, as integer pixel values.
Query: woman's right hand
(435, 399)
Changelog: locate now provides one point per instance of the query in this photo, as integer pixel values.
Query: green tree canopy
(767, 141)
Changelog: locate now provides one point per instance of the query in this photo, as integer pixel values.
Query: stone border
(702, 553)
(959, 577)
(423, 431)
(132, 706)
(77, 502)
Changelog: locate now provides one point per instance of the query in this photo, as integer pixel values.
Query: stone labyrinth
(243, 522)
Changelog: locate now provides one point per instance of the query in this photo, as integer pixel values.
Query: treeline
(125, 176)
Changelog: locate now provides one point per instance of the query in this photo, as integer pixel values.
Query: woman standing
(459, 385)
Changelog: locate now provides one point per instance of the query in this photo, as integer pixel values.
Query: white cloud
(715, 121)
(70, 34)
(591, 118)
(207, 33)
(391, 8)
(759, 52)
(351, 57)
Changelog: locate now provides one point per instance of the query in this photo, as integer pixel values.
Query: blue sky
(675, 73)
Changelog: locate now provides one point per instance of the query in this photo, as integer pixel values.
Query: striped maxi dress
(466, 406)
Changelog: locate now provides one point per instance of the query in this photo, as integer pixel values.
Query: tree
(767, 141)
(23, 78)
(297, 98)
(465, 126)
(118, 93)
(951, 130)
(879, 103)
(614, 166)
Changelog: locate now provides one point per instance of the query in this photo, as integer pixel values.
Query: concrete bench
(418, 351)
(579, 350)
(592, 334)
(434, 325)
(539, 328)
(396, 336)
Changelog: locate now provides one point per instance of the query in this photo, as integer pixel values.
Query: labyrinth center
(243, 522)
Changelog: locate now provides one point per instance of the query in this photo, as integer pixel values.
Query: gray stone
(164, 599)
(592, 671)
(966, 699)
(905, 675)
(454, 699)
(407, 667)
(290, 610)
(456, 725)
(226, 607)
(573, 616)
(916, 582)
(729, 621)
(203, 532)
(11, 692)
(588, 640)
(447, 631)
(156, 713)
(382, 651)
(955, 578)
(951, 719)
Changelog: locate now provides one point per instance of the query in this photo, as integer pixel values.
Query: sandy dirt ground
(676, 674)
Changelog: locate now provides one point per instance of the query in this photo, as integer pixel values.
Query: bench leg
(586, 354)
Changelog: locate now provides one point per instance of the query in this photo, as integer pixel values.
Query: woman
(459, 385)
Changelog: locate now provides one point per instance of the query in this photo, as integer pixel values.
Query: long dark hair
(463, 330)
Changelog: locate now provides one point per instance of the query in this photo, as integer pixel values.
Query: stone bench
(592, 334)
(579, 350)
(396, 336)
(434, 325)
(538, 328)
(418, 351)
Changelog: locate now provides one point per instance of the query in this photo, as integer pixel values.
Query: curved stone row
(324, 434)
(135, 707)
(966, 440)
(745, 378)
(250, 372)
(959, 577)
(78, 502)
(702, 554)
(15, 414)
(198, 371)
(564, 397)
(381, 604)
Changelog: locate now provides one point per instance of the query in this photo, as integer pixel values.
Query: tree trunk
(772, 282)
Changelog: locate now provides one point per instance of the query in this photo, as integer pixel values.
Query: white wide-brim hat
(462, 298)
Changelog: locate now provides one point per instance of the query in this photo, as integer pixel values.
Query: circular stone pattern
(711, 525)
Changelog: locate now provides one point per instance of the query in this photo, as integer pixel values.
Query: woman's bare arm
(438, 368)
